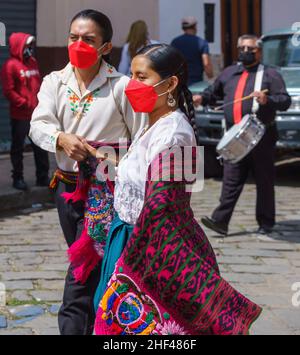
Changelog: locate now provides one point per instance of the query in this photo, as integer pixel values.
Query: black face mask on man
(247, 58)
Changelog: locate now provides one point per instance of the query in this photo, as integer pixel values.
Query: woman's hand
(97, 153)
(73, 146)
(92, 151)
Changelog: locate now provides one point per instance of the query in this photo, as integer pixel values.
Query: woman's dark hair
(167, 61)
(101, 20)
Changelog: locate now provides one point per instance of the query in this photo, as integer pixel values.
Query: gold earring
(171, 101)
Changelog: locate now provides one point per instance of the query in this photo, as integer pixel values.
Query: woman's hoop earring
(171, 101)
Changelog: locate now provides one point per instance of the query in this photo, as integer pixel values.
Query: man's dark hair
(101, 20)
(103, 23)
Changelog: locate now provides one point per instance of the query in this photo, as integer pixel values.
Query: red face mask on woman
(142, 97)
(82, 55)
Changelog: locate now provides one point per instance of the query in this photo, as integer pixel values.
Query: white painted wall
(172, 11)
(54, 17)
(163, 18)
(280, 14)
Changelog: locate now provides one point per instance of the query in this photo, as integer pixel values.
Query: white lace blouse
(169, 131)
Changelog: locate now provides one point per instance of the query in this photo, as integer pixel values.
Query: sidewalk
(11, 198)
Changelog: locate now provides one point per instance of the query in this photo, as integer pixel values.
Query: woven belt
(63, 176)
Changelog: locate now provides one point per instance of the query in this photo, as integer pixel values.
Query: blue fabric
(192, 48)
(117, 239)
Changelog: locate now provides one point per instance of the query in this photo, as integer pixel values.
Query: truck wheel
(212, 166)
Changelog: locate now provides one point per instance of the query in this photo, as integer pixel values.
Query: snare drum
(238, 142)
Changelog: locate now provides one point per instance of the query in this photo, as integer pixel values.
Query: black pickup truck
(280, 50)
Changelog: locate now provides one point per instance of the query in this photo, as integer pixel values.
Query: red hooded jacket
(21, 79)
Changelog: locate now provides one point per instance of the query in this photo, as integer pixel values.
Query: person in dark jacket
(21, 83)
(236, 82)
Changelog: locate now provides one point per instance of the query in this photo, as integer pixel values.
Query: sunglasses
(247, 48)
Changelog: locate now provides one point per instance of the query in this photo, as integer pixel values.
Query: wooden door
(238, 17)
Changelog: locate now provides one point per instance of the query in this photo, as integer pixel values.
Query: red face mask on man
(142, 97)
(82, 55)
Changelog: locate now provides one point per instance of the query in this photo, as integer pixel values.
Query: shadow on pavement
(16, 213)
(285, 231)
(288, 173)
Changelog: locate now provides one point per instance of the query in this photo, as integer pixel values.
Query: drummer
(235, 82)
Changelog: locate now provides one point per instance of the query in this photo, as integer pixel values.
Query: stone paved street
(33, 261)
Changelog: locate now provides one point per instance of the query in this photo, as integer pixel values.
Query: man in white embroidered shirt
(85, 100)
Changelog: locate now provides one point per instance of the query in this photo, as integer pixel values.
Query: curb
(13, 199)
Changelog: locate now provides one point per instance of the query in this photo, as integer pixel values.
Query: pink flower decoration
(170, 328)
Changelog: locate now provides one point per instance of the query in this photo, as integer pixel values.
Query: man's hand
(197, 100)
(261, 97)
(73, 146)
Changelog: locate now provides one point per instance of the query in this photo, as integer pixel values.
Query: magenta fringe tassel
(80, 194)
(83, 257)
(82, 254)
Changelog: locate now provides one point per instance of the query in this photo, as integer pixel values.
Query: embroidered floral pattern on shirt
(110, 68)
(52, 139)
(78, 109)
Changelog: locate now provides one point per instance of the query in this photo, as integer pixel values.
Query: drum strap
(258, 85)
(224, 125)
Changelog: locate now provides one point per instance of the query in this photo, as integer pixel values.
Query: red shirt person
(21, 83)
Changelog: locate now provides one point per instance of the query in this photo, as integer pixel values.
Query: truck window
(279, 51)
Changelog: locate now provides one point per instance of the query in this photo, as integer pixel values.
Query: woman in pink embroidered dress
(159, 272)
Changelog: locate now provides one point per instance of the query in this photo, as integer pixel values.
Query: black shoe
(20, 184)
(264, 230)
(216, 227)
(43, 182)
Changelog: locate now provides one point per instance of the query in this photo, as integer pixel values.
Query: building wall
(54, 17)
(280, 14)
(163, 18)
(171, 13)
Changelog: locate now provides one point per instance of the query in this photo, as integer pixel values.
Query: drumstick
(238, 100)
